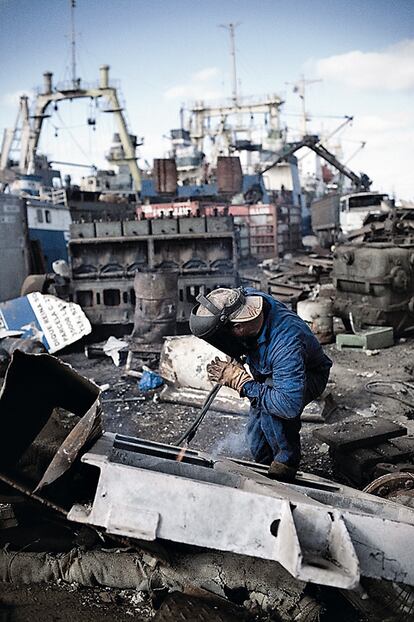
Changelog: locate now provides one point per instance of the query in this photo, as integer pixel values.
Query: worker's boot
(281, 472)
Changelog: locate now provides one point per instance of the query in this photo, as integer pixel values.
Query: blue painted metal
(18, 313)
(53, 243)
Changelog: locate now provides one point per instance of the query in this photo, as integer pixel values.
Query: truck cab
(353, 208)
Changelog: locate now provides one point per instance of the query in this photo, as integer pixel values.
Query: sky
(358, 55)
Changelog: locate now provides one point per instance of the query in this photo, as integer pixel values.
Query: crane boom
(361, 182)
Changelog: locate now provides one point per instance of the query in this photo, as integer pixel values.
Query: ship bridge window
(48, 215)
(39, 215)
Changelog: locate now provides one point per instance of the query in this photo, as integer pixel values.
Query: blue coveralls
(290, 369)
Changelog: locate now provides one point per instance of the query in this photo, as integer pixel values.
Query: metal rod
(73, 42)
(189, 434)
(28, 493)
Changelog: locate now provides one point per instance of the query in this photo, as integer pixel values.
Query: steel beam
(319, 531)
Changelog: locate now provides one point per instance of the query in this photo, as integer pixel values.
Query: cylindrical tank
(319, 317)
(156, 305)
(47, 82)
(104, 76)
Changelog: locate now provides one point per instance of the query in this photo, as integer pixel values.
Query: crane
(312, 141)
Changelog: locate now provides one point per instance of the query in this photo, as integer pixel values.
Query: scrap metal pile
(373, 273)
(126, 489)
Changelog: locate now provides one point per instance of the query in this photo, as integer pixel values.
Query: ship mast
(230, 27)
(75, 79)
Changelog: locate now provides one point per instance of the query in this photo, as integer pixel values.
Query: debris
(374, 281)
(34, 386)
(368, 340)
(350, 434)
(7, 516)
(318, 316)
(94, 352)
(196, 397)
(364, 537)
(393, 389)
(123, 399)
(323, 448)
(150, 381)
(113, 347)
(45, 318)
(363, 449)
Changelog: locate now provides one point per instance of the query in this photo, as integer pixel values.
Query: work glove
(231, 374)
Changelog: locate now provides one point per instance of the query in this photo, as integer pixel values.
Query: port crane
(361, 182)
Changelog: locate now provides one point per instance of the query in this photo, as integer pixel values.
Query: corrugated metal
(229, 175)
(14, 246)
(165, 175)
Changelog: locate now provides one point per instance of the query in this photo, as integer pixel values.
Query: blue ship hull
(53, 244)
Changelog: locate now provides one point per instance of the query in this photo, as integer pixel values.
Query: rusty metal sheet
(35, 385)
(165, 175)
(229, 175)
(86, 431)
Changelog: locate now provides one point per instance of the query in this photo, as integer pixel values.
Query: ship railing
(57, 197)
(67, 85)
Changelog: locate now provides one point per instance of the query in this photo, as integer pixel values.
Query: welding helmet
(211, 316)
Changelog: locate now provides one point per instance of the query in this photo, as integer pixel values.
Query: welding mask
(211, 321)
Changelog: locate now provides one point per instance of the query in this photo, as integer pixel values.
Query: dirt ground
(150, 419)
(224, 434)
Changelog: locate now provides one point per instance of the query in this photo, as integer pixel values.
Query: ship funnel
(47, 82)
(104, 76)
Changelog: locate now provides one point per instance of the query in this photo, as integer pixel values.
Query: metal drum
(155, 306)
(318, 316)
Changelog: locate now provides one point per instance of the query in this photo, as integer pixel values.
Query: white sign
(62, 323)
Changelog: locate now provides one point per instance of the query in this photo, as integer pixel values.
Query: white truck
(335, 215)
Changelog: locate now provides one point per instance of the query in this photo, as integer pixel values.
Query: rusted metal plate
(35, 385)
(87, 430)
(229, 175)
(165, 175)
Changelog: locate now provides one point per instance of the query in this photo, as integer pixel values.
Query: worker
(287, 368)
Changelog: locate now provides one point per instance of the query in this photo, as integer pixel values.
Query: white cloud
(373, 124)
(206, 74)
(387, 156)
(12, 99)
(201, 85)
(389, 70)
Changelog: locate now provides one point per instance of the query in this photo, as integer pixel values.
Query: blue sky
(167, 52)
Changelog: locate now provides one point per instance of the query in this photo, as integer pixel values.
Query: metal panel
(165, 175)
(82, 230)
(164, 226)
(108, 229)
(136, 227)
(14, 246)
(192, 225)
(319, 531)
(216, 224)
(229, 175)
(325, 212)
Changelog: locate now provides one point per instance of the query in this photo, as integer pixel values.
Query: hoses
(189, 434)
(391, 384)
